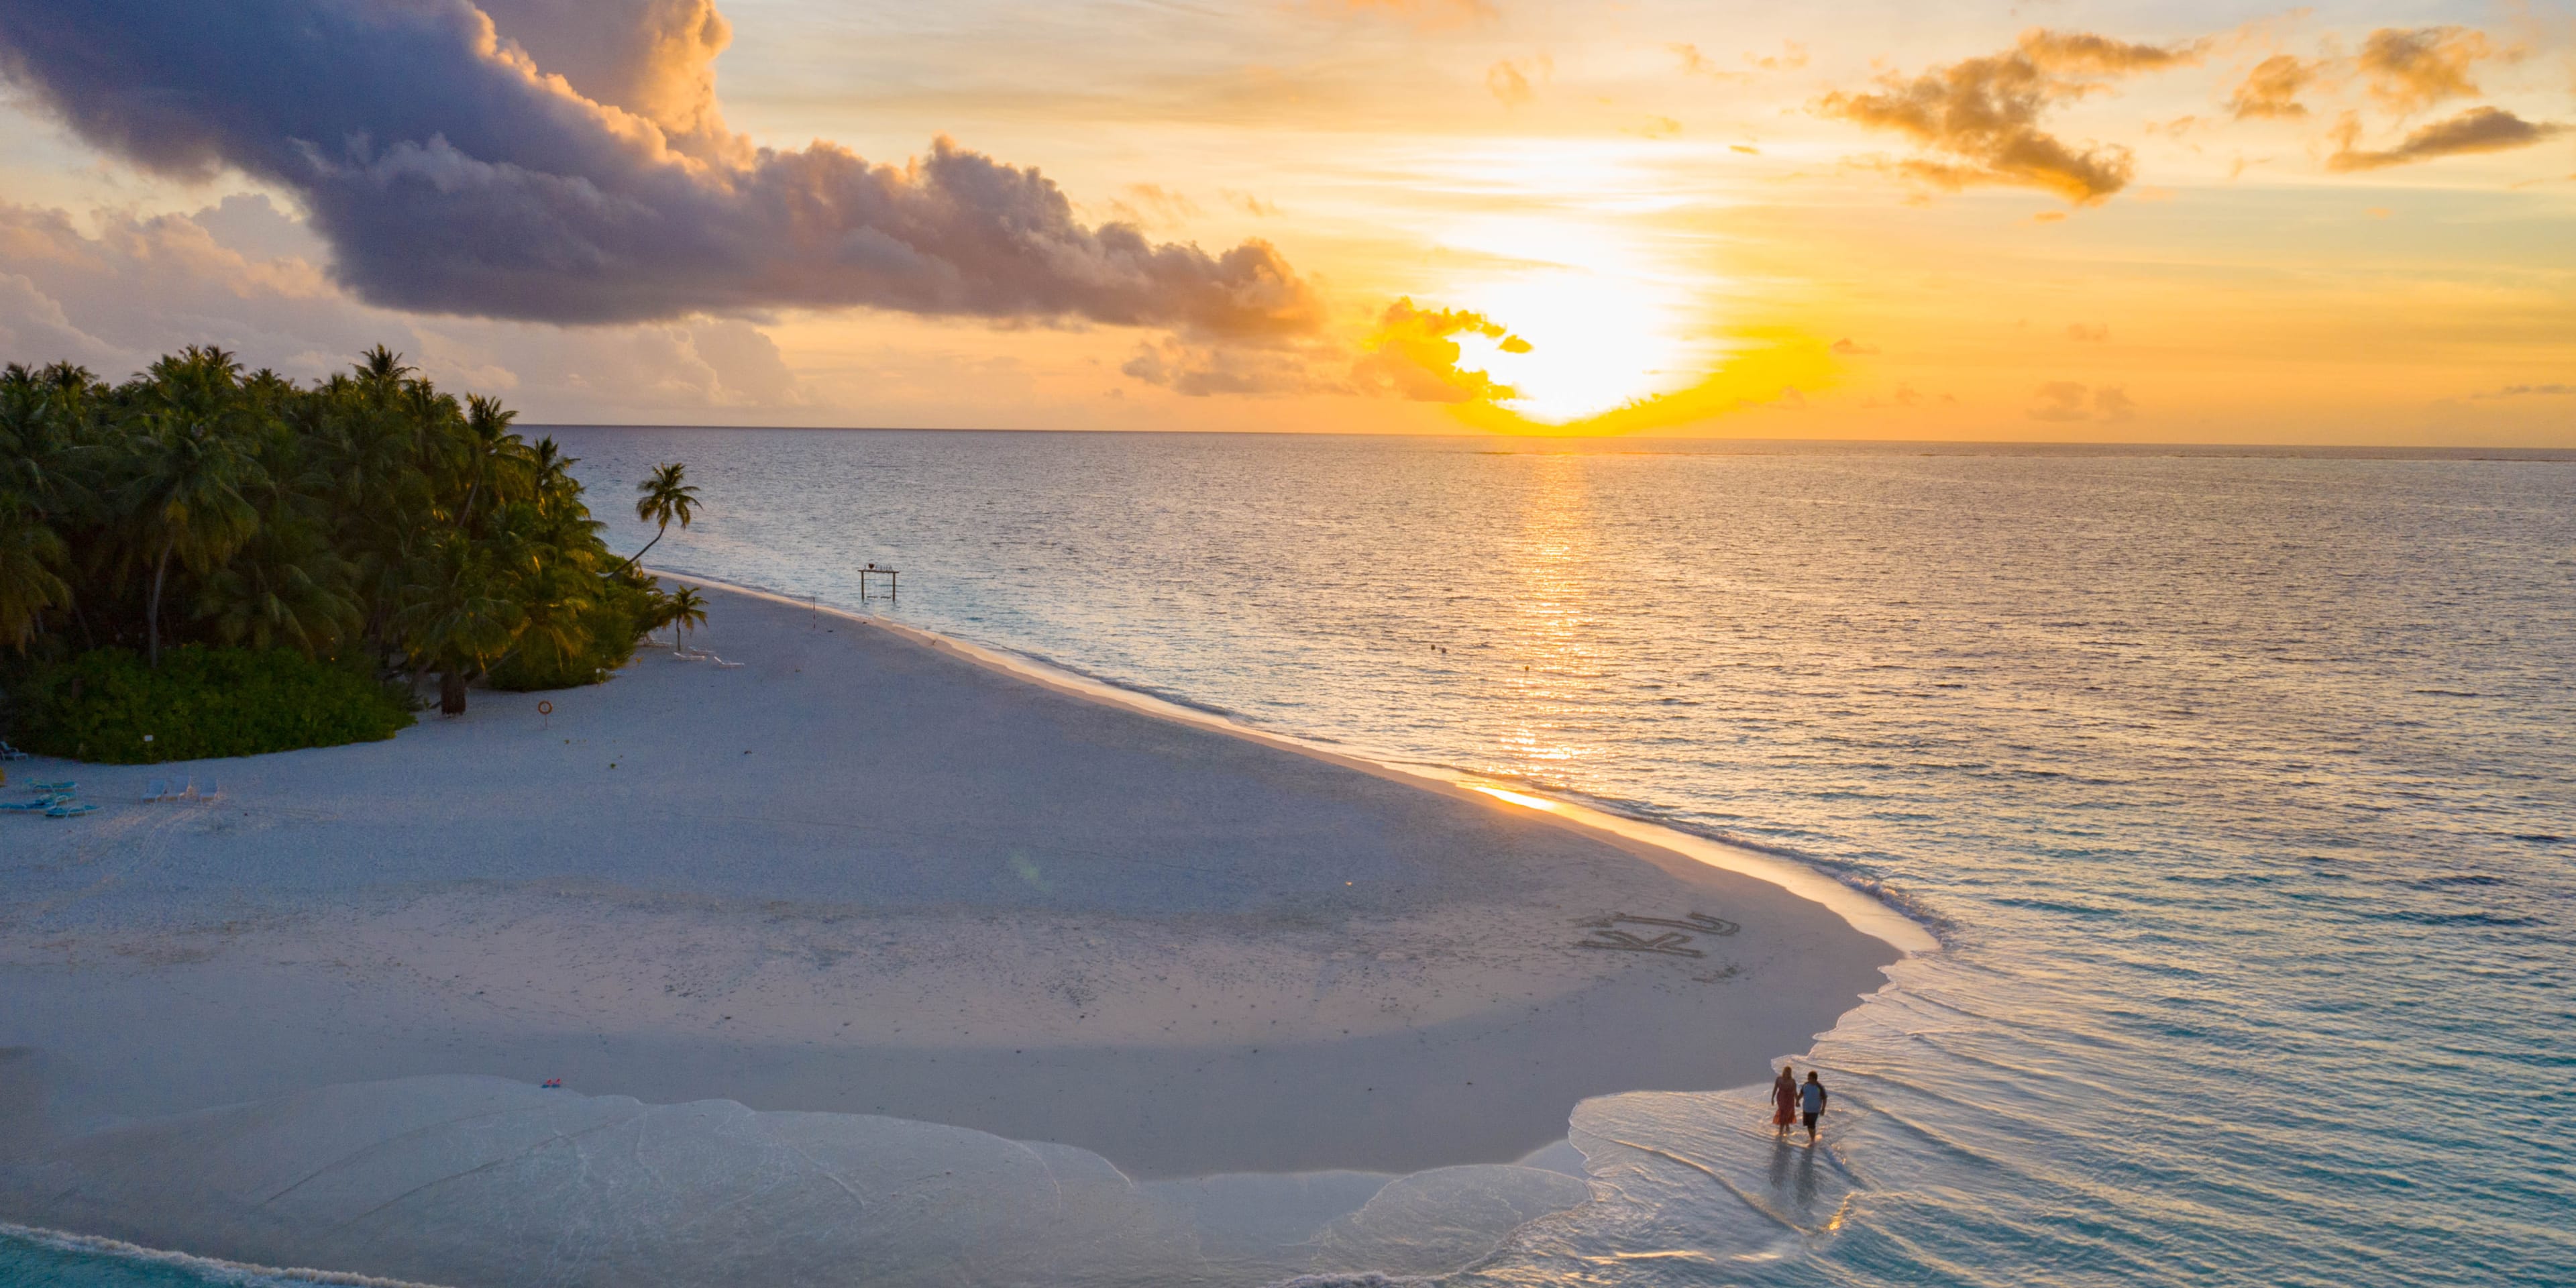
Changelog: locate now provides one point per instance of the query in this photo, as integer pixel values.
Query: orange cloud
(2412, 70)
(2272, 89)
(1414, 356)
(2480, 129)
(1984, 114)
(2061, 401)
(1509, 80)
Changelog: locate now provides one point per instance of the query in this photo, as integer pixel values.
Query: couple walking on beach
(1791, 1099)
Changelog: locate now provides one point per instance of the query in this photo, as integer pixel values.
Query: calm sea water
(2238, 787)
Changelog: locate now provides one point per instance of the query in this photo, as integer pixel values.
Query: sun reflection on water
(1548, 634)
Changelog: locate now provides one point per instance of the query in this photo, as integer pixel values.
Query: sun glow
(1603, 327)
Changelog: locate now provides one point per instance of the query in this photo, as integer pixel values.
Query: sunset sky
(2191, 222)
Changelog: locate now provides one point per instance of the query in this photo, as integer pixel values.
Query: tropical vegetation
(198, 531)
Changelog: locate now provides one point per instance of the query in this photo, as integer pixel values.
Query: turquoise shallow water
(33, 1258)
(2238, 787)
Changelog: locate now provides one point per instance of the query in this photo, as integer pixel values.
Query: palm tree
(381, 369)
(688, 610)
(550, 474)
(285, 587)
(30, 553)
(33, 437)
(490, 449)
(662, 498)
(457, 617)
(189, 500)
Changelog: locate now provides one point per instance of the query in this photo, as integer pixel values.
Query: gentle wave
(30, 1256)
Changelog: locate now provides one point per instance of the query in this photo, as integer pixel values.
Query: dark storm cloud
(452, 173)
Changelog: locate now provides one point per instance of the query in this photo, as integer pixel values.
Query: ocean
(2237, 785)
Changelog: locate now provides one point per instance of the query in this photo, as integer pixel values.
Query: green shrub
(202, 703)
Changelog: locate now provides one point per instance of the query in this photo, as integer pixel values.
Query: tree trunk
(152, 610)
(657, 540)
(451, 693)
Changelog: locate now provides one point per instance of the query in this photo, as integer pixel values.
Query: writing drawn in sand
(1675, 941)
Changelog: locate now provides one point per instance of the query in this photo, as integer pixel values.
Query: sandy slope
(864, 874)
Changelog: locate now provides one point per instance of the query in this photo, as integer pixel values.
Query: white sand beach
(861, 877)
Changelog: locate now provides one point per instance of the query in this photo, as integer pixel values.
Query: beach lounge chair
(8, 752)
(70, 809)
(158, 789)
(210, 791)
(41, 803)
(55, 787)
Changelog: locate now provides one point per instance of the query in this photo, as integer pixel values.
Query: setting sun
(1597, 339)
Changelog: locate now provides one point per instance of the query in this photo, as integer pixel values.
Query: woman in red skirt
(1784, 1100)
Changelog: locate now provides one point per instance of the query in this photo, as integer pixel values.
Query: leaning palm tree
(688, 610)
(662, 498)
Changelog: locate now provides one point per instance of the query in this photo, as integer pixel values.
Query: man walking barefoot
(1811, 1099)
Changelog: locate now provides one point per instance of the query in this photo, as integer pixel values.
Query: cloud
(1984, 114)
(1202, 370)
(2062, 401)
(451, 172)
(2480, 129)
(2529, 391)
(2409, 70)
(2083, 53)
(1509, 80)
(1151, 205)
(1654, 127)
(1791, 57)
(241, 274)
(2271, 90)
(2098, 333)
(1695, 63)
(653, 58)
(1848, 348)
(1248, 203)
(1415, 355)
